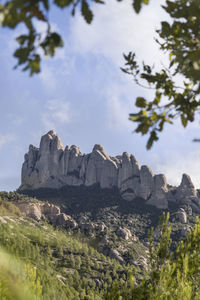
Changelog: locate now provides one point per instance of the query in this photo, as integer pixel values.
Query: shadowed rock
(52, 166)
(186, 189)
(159, 194)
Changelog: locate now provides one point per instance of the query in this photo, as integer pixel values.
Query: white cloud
(57, 112)
(179, 163)
(5, 139)
(117, 29)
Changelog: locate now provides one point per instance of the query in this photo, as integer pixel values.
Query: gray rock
(52, 212)
(31, 210)
(159, 194)
(186, 189)
(87, 227)
(113, 253)
(48, 209)
(129, 174)
(124, 233)
(52, 166)
(66, 221)
(101, 169)
(146, 182)
(181, 216)
(100, 227)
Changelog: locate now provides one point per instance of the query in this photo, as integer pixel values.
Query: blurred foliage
(17, 280)
(179, 39)
(15, 12)
(171, 274)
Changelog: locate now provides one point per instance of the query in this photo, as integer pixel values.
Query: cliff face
(53, 166)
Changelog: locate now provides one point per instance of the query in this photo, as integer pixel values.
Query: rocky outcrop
(53, 166)
(159, 192)
(186, 189)
(181, 216)
(146, 182)
(124, 233)
(39, 210)
(129, 175)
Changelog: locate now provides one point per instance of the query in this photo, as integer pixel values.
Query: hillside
(80, 262)
(67, 266)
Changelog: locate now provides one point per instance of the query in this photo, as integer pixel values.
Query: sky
(83, 95)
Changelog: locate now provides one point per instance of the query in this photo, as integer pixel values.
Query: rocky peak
(52, 166)
(159, 192)
(186, 188)
(50, 141)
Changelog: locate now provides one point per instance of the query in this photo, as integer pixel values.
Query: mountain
(53, 166)
(79, 225)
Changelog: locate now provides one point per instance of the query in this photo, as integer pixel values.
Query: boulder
(48, 209)
(124, 233)
(181, 216)
(87, 227)
(31, 210)
(66, 221)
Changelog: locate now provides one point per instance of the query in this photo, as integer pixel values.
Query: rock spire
(53, 166)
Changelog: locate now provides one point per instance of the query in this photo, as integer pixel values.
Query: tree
(171, 274)
(15, 12)
(179, 39)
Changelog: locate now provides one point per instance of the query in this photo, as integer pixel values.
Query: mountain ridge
(53, 166)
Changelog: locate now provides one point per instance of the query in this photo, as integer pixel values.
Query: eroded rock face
(146, 182)
(129, 174)
(52, 212)
(186, 189)
(124, 233)
(159, 193)
(53, 166)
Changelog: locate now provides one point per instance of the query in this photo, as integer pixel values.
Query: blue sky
(83, 95)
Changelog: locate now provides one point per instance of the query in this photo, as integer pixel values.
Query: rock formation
(53, 166)
(159, 192)
(39, 210)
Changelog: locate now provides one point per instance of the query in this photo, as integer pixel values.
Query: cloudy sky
(83, 95)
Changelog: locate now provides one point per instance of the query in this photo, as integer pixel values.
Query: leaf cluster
(180, 40)
(15, 12)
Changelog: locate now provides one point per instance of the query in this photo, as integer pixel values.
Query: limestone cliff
(53, 166)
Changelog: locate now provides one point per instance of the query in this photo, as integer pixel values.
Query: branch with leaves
(25, 12)
(181, 41)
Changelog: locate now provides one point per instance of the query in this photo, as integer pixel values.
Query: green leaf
(63, 3)
(151, 140)
(134, 117)
(184, 120)
(143, 128)
(137, 5)
(86, 12)
(141, 102)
